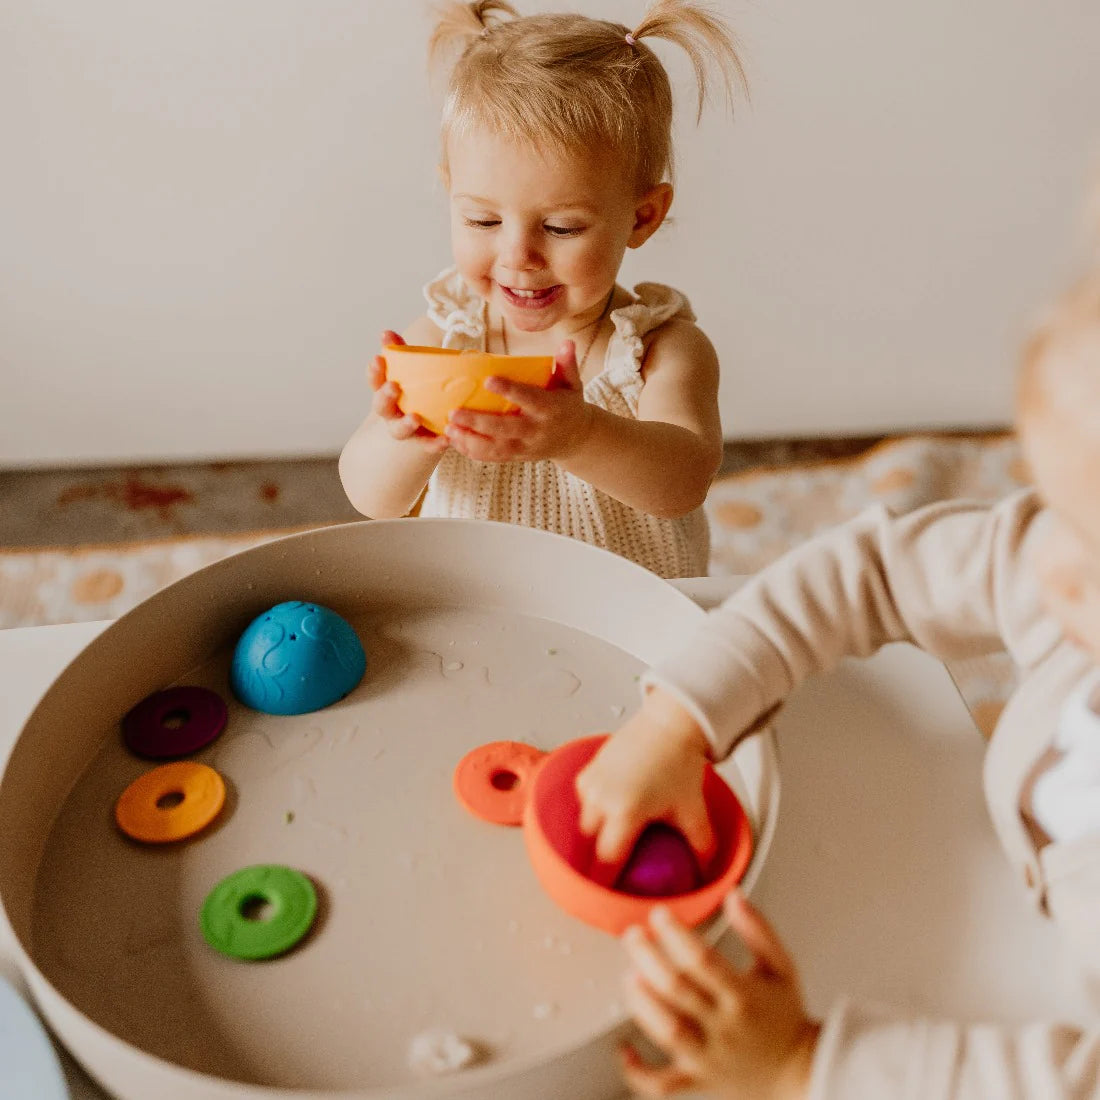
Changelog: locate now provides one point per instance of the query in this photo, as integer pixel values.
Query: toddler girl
(958, 580)
(556, 154)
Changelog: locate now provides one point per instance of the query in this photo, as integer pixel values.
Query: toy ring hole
(256, 907)
(176, 718)
(504, 780)
(169, 800)
(294, 637)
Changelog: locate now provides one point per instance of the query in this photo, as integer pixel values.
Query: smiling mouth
(532, 298)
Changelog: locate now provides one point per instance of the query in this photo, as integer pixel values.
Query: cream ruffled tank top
(540, 494)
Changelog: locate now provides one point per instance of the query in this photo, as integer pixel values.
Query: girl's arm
(663, 462)
(383, 476)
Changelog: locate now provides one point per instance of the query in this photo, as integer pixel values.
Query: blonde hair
(1061, 361)
(573, 82)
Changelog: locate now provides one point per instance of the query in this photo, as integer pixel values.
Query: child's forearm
(949, 577)
(659, 468)
(383, 477)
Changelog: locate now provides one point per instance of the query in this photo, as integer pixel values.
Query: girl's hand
(385, 407)
(732, 1033)
(546, 423)
(650, 769)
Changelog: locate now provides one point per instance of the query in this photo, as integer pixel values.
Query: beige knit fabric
(539, 494)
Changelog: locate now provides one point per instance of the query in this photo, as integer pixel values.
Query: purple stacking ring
(174, 722)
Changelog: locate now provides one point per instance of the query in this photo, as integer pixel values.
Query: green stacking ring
(228, 927)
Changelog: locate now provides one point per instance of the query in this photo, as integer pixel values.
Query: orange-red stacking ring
(492, 780)
(171, 802)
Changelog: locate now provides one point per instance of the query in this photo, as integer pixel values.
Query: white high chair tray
(429, 918)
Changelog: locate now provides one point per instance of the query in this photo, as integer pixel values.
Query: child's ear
(649, 211)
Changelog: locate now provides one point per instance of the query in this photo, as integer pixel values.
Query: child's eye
(563, 230)
(481, 223)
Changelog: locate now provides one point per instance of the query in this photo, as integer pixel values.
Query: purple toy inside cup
(174, 722)
(661, 865)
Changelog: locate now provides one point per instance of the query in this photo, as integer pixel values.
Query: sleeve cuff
(728, 677)
(865, 1053)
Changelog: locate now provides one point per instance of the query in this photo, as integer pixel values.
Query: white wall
(208, 211)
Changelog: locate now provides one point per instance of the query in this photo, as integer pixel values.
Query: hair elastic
(631, 40)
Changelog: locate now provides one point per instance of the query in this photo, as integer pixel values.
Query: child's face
(541, 238)
(1064, 460)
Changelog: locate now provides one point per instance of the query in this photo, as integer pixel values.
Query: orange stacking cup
(436, 381)
(563, 858)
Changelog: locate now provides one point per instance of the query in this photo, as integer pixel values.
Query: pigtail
(703, 36)
(458, 25)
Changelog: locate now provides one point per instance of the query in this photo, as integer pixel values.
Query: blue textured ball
(295, 658)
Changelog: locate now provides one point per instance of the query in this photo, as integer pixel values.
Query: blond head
(569, 82)
(1060, 373)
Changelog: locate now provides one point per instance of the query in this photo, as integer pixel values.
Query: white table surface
(884, 878)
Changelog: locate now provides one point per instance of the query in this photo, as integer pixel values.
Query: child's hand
(650, 769)
(385, 407)
(733, 1033)
(548, 423)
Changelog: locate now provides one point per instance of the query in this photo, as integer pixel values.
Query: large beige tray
(474, 632)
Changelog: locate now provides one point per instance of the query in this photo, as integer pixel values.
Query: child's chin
(530, 320)
(526, 323)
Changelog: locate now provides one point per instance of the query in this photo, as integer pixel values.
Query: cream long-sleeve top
(957, 580)
(541, 494)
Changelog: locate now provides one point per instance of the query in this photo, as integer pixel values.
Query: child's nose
(521, 253)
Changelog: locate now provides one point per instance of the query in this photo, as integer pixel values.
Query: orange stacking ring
(171, 802)
(493, 780)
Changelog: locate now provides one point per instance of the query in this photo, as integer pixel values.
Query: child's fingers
(647, 1080)
(533, 400)
(391, 337)
(674, 1033)
(567, 375)
(677, 988)
(404, 427)
(693, 957)
(491, 425)
(617, 837)
(385, 401)
(591, 813)
(694, 822)
(432, 443)
(477, 447)
(376, 372)
(759, 936)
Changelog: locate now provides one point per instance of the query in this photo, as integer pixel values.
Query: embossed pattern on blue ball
(295, 658)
